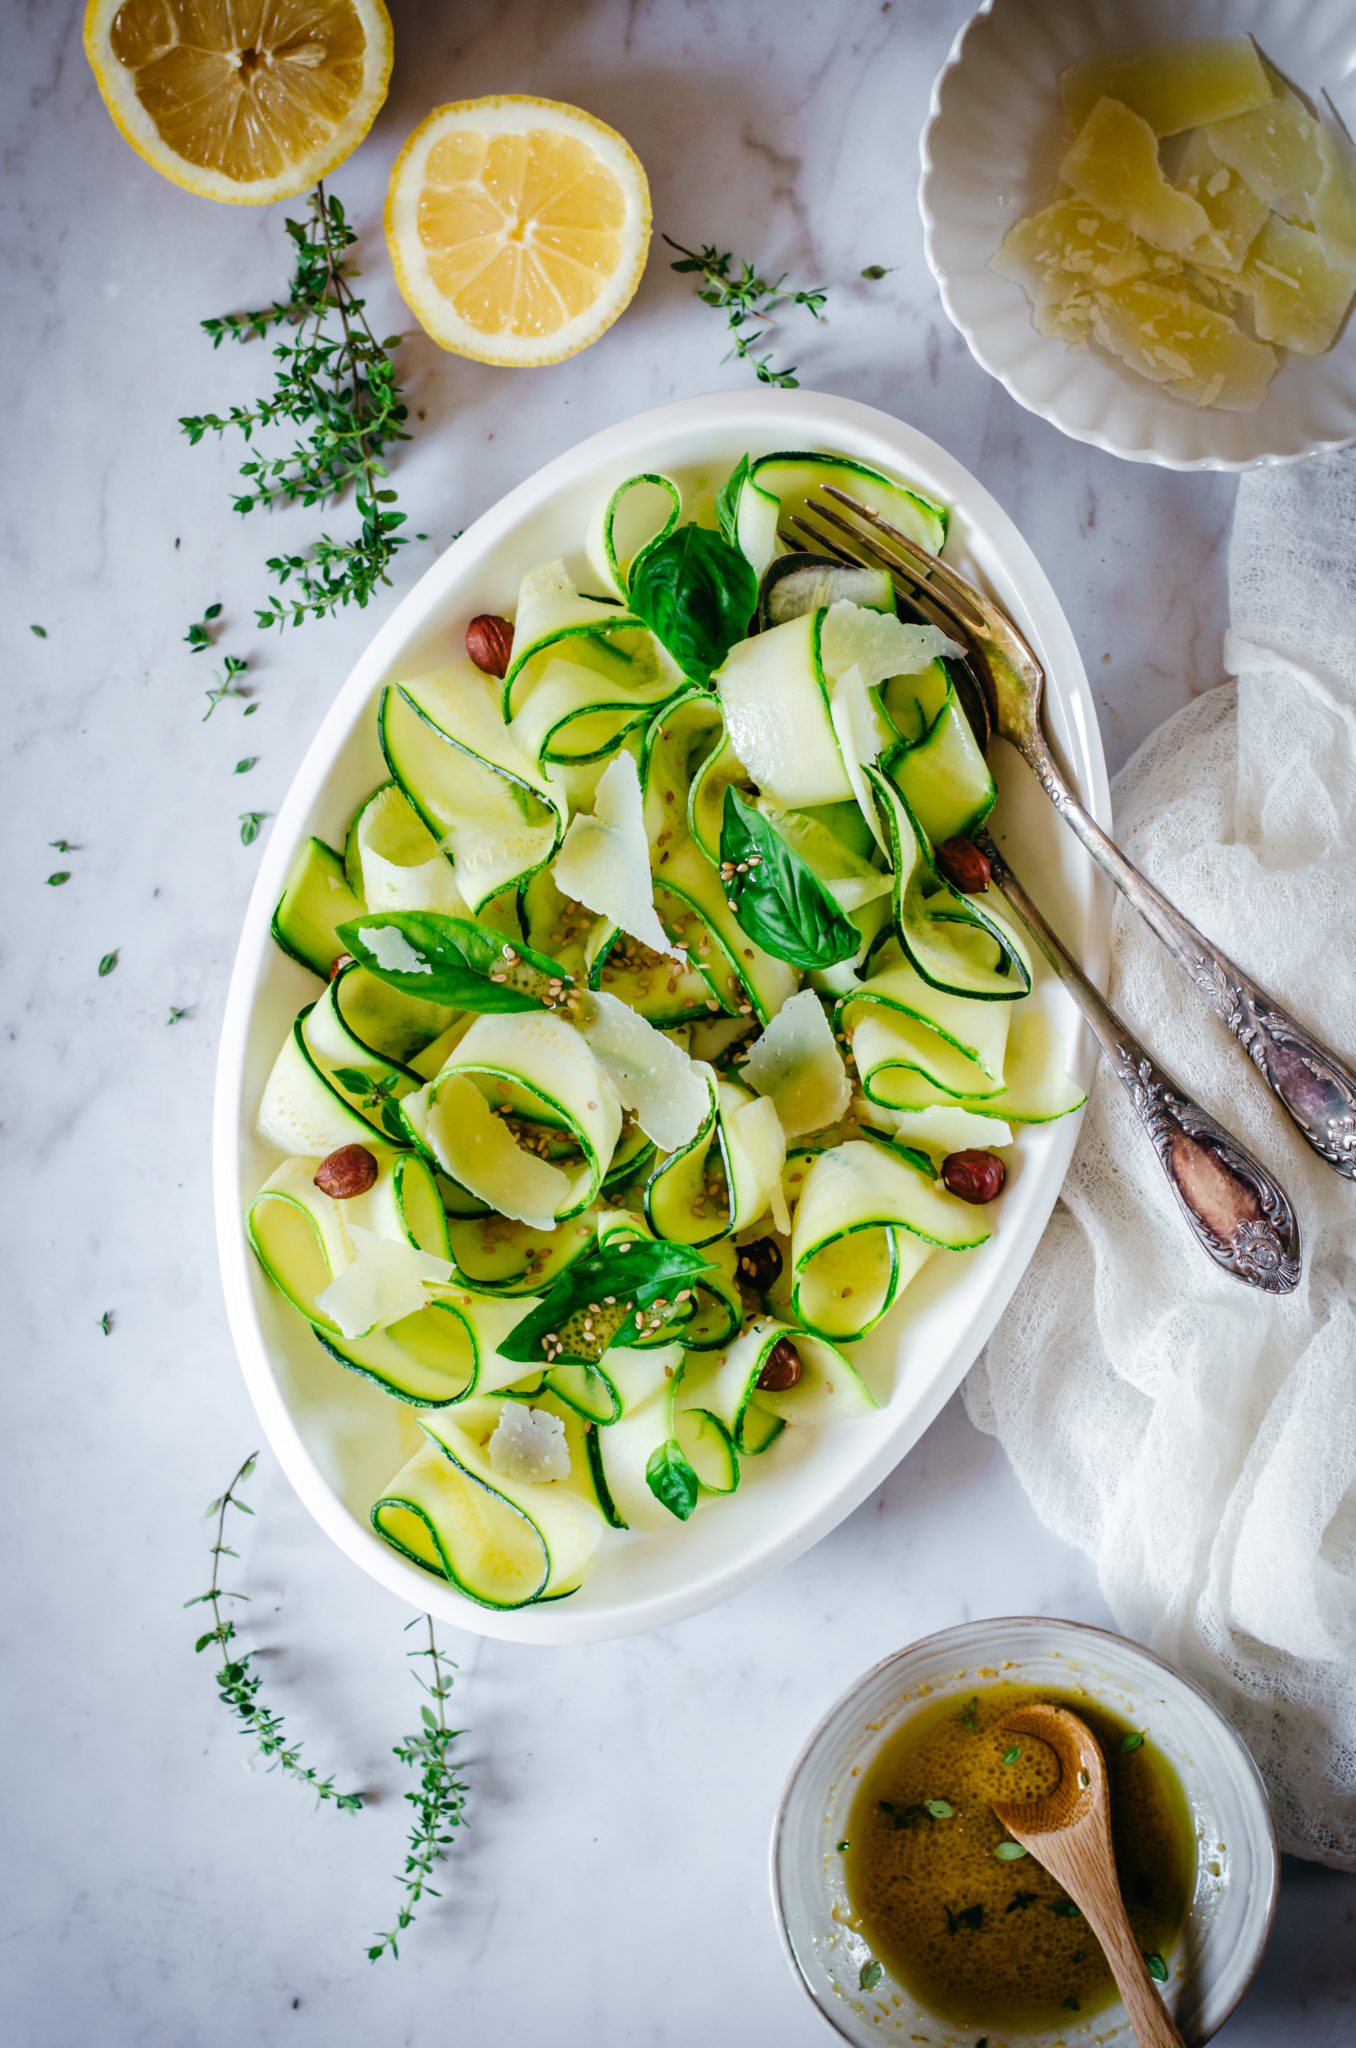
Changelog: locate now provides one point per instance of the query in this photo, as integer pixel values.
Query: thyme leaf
(439, 1800)
(744, 297)
(227, 684)
(237, 1685)
(334, 386)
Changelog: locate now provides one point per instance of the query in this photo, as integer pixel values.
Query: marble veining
(611, 1887)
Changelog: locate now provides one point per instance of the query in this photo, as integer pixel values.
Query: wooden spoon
(1069, 1832)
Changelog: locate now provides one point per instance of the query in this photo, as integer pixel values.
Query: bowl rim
(820, 417)
(1265, 1838)
(1231, 465)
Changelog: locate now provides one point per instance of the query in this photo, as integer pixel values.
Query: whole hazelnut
(348, 1172)
(974, 1176)
(963, 865)
(489, 642)
(781, 1368)
(759, 1263)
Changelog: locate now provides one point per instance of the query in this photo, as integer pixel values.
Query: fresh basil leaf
(450, 960)
(940, 1809)
(672, 1480)
(871, 1974)
(779, 900)
(696, 592)
(1008, 1852)
(606, 1287)
(727, 500)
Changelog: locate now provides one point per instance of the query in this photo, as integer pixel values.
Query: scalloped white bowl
(989, 155)
(338, 1439)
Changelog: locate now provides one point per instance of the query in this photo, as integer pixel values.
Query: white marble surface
(611, 1886)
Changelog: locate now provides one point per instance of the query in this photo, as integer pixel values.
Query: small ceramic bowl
(990, 151)
(1229, 1918)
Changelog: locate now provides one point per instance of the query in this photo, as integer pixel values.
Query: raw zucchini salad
(649, 1029)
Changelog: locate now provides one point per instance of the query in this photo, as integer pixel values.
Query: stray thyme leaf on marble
(106, 1322)
(175, 1015)
(40, 631)
(197, 637)
(875, 272)
(227, 680)
(745, 297)
(334, 384)
(63, 846)
(108, 963)
(237, 1686)
(250, 821)
(243, 767)
(439, 1801)
(62, 875)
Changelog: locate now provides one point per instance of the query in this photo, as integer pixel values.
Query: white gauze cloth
(1198, 1438)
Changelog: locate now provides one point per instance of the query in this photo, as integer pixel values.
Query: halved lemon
(518, 228)
(243, 100)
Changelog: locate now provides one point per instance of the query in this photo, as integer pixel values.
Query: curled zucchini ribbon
(521, 1115)
(502, 1541)
(867, 1221)
(440, 1350)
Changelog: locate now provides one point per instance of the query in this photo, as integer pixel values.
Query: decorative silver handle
(1236, 1211)
(1315, 1087)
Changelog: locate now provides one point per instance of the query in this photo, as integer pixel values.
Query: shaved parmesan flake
(797, 1065)
(652, 1077)
(529, 1443)
(755, 1126)
(939, 1130)
(861, 733)
(387, 1278)
(877, 644)
(390, 948)
(605, 861)
(477, 1149)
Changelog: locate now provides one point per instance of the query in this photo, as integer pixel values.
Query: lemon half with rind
(518, 228)
(245, 101)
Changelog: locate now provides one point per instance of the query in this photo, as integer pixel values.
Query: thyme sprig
(744, 297)
(439, 1801)
(335, 383)
(237, 1685)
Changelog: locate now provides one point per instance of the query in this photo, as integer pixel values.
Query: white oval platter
(338, 1439)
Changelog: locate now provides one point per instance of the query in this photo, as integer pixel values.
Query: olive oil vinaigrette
(973, 1927)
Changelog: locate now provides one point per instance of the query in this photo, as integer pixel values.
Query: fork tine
(932, 604)
(940, 574)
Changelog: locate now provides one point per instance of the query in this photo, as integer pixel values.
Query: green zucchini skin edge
(410, 1508)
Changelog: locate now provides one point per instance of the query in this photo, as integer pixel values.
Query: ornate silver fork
(1314, 1086)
